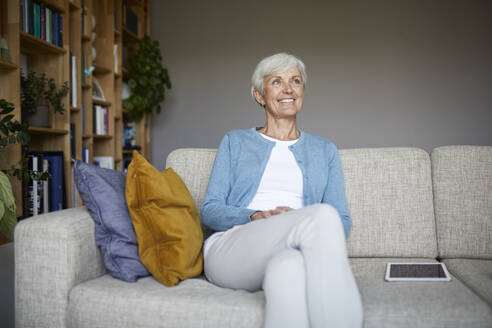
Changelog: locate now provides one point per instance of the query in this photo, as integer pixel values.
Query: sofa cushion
(475, 273)
(166, 222)
(462, 179)
(107, 302)
(103, 193)
(194, 166)
(415, 304)
(389, 194)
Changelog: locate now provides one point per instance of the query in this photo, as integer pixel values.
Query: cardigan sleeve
(335, 190)
(215, 213)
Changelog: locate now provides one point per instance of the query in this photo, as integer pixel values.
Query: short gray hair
(276, 64)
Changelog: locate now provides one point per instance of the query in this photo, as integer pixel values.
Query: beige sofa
(405, 205)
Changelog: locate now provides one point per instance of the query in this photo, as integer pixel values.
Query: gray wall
(381, 72)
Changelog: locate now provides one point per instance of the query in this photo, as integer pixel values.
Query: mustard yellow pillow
(166, 222)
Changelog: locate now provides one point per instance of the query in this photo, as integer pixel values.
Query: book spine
(43, 21)
(36, 18)
(54, 28)
(60, 30)
(46, 191)
(48, 24)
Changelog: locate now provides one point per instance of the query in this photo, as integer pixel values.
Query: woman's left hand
(269, 213)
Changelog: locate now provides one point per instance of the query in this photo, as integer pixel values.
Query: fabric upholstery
(415, 304)
(53, 253)
(194, 166)
(462, 179)
(166, 222)
(475, 273)
(103, 192)
(389, 194)
(107, 302)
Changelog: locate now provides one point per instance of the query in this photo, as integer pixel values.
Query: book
(72, 140)
(30, 16)
(54, 28)
(46, 191)
(48, 24)
(73, 80)
(37, 20)
(60, 30)
(85, 155)
(57, 185)
(32, 188)
(43, 21)
(104, 161)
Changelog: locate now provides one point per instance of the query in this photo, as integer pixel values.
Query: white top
(281, 183)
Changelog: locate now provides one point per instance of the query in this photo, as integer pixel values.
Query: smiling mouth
(286, 100)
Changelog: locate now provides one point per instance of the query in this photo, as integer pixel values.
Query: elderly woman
(276, 202)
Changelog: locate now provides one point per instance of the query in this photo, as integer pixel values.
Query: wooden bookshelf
(102, 49)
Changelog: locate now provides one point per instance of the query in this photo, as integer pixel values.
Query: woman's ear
(259, 97)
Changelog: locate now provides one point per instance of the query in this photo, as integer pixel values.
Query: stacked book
(101, 120)
(42, 21)
(49, 195)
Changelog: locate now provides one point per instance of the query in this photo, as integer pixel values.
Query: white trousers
(300, 260)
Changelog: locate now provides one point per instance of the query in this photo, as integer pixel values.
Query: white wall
(381, 72)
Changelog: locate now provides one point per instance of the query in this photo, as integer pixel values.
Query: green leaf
(2, 208)
(12, 140)
(7, 118)
(3, 142)
(4, 129)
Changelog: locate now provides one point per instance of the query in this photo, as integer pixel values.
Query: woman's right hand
(269, 213)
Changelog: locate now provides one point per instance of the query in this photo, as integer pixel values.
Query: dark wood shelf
(55, 4)
(86, 86)
(46, 131)
(86, 38)
(101, 102)
(34, 45)
(102, 136)
(73, 5)
(86, 136)
(101, 70)
(7, 65)
(74, 109)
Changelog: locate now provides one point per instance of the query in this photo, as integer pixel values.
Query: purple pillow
(103, 193)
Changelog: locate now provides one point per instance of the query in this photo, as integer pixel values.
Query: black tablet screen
(417, 271)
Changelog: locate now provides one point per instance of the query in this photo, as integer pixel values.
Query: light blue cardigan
(239, 165)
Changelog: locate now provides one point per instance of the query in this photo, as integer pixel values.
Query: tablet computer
(417, 272)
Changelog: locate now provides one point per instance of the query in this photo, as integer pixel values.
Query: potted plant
(38, 95)
(11, 132)
(148, 80)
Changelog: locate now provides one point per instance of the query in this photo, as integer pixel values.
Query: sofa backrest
(462, 181)
(389, 193)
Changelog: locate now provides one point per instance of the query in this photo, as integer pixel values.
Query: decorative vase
(40, 118)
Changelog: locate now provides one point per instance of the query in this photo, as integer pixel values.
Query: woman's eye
(297, 81)
(276, 82)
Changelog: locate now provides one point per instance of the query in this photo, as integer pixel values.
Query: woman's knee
(326, 216)
(283, 269)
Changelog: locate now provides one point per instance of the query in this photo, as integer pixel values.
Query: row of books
(42, 21)
(45, 196)
(101, 120)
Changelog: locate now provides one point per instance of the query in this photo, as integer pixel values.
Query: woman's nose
(287, 88)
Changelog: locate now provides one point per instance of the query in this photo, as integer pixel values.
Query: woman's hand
(269, 213)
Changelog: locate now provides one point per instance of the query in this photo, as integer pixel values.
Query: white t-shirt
(281, 183)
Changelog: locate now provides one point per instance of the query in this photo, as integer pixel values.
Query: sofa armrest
(53, 253)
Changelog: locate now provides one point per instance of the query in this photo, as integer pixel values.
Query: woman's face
(282, 93)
